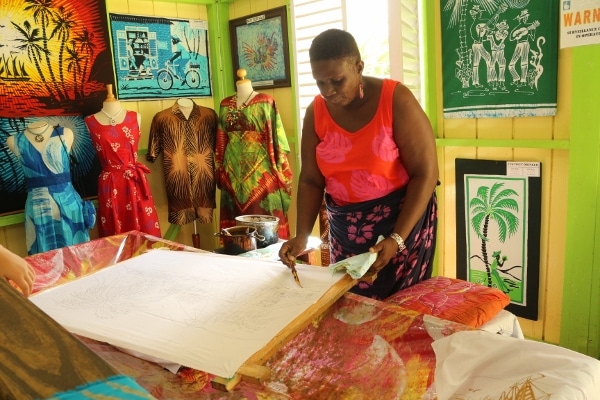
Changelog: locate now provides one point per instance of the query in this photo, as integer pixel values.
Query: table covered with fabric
(358, 349)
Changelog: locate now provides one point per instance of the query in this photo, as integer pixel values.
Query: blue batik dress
(53, 209)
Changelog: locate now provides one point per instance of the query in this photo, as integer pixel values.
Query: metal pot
(239, 239)
(266, 225)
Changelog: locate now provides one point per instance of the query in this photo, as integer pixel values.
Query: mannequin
(112, 112)
(251, 165)
(245, 91)
(185, 106)
(38, 133)
(125, 201)
(185, 134)
(54, 214)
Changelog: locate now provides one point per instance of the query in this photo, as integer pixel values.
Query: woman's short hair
(333, 44)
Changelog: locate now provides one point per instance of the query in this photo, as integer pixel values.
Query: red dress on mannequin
(125, 202)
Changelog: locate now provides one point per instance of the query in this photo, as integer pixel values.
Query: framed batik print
(260, 46)
(498, 214)
(157, 57)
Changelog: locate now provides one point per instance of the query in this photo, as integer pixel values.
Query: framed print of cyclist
(159, 57)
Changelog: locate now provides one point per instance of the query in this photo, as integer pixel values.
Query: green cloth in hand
(356, 266)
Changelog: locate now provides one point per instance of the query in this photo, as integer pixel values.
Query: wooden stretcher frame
(253, 370)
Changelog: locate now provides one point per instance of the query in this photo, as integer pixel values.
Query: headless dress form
(252, 168)
(185, 106)
(125, 201)
(53, 208)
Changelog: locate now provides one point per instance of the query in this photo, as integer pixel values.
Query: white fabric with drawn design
(481, 365)
(205, 311)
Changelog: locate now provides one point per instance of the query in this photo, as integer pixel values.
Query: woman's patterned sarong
(353, 228)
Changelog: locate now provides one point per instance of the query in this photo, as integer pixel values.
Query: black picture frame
(501, 172)
(260, 45)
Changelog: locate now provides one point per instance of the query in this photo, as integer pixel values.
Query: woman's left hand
(18, 270)
(386, 249)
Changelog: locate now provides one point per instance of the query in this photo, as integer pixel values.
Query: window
(387, 33)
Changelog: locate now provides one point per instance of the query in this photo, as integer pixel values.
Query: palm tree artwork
(39, 42)
(496, 205)
(55, 62)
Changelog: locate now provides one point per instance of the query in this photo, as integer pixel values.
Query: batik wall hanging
(160, 57)
(499, 58)
(498, 218)
(55, 63)
(54, 57)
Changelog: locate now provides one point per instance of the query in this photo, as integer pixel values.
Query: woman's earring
(361, 92)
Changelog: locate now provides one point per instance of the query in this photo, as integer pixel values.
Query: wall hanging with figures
(499, 57)
(160, 57)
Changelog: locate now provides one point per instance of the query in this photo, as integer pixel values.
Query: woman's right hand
(291, 249)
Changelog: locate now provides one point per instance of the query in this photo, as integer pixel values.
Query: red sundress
(125, 202)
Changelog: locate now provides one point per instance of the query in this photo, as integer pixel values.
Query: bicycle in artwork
(168, 75)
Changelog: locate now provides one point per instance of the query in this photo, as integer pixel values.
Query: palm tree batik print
(495, 205)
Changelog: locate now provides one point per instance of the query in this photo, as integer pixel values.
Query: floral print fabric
(361, 165)
(355, 227)
(453, 299)
(125, 202)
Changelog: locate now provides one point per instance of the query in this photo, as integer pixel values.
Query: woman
(368, 145)
(16, 269)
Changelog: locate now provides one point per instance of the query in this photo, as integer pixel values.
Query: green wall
(580, 323)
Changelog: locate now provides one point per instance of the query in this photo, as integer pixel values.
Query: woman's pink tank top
(361, 165)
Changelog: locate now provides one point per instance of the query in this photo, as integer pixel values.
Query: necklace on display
(245, 103)
(111, 119)
(234, 112)
(39, 137)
